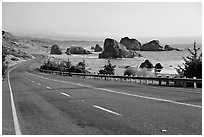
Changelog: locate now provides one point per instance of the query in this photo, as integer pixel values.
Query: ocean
(168, 59)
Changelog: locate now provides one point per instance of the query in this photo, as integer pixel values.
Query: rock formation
(113, 49)
(153, 45)
(97, 48)
(158, 66)
(169, 48)
(77, 50)
(130, 44)
(147, 64)
(55, 50)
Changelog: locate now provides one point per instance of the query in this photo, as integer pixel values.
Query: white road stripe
(128, 94)
(106, 110)
(15, 117)
(33, 81)
(39, 84)
(48, 87)
(64, 94)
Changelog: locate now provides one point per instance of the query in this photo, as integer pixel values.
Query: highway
(35, 103)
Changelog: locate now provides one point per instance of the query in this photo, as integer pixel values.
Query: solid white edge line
(15, 117)
(64, 94)
(128, 94)
(107, 110)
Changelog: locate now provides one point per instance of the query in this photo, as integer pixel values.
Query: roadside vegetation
(138, 72)
(4, 64)
(64, 66)
(192, 64)
(108, 69)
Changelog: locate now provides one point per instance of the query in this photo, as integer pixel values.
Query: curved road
(38, 103)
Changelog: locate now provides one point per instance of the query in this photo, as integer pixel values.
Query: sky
(96, 21)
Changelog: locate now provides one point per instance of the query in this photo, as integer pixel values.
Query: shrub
(129, 72)
(4, 64)
(64, 66)
(108, 69)
(14, 59)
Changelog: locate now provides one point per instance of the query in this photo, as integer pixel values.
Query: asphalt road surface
(39, 103)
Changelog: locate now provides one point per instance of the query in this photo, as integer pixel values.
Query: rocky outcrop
(55, 50)
(98, 48)
(158, 66)
(153, 45)
(113, 49)
(169, 48)
(77, 50)
(147, 64)
(130, 44)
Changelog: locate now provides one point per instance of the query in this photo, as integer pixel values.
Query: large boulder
(153, 45)
(169, 48)
(113, 49)
(77, 50)
(98, 48)
(147, 64)
(130, 44)
(55, 50)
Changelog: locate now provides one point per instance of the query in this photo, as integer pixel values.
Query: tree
(193, 64)
(108, 69)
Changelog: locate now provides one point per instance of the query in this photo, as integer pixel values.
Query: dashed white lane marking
(122, 93)
(15, 117)
(39, 84)
(106, 110)
(48, 87)
(33, 81)
(64, 94)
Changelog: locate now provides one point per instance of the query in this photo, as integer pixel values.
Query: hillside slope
(16, 49)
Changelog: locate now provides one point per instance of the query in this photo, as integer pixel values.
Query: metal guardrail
(181, 82)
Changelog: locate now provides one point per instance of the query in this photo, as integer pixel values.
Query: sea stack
(55, 50)
(77, 50)
(98, 48)
(130, 44)
(169, 48)
(113, 49)
(153, 45)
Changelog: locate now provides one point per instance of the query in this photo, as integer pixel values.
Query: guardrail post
(194, 84)
(167, 82)
(160, 82)
(184, 83)
(140, 80)
(147, 82)
(175, 83)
